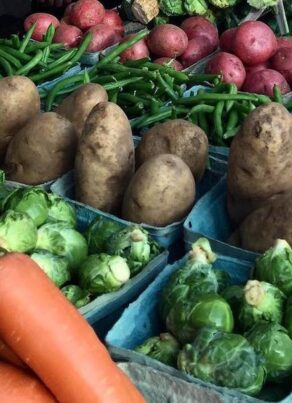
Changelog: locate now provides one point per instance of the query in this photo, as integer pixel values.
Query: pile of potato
(260, 179)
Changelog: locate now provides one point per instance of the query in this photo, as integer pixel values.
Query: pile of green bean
(39, 61)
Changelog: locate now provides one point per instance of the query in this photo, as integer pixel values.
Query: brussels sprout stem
(254, 292)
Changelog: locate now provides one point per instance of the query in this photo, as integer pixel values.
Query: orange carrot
(17, 386)
(54, 340)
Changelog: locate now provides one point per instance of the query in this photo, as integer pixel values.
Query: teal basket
(141, 321)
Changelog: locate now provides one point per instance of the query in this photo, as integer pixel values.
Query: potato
(43, 21)
(105, 159)
(19, 102)
(103, 37)
(227, 40)
(161, 192)
(86, 13)
(135, 52)
(168, 61)
(260, 159)
(179, 137)
(167, 40)
(263, 226)
(42, 150)
(282, 62)
(197, 49)
(197, 27)
(77, 106)
(69, 35)
(263, 82)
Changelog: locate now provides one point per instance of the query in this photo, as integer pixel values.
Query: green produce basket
(141, 320)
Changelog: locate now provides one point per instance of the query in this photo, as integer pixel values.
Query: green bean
(59, 86)
(202, 109)
(166, 87)
(154, 106)
(16, 53)
(120, 48)
(133, 99)
(6, 67)
(232, 90)
(218, 97)
(27, 38)
(86, 77)
(118, 68)
(194, 78)
(232, 120)
(121, 84)
(162, 115)
(277, 94)
(218, 119)
(33, 46)
(169, 80)
(137, 63)
(231, 133)
(66, 57)
(82, 48)
(46, 54)
(134, 110)
(31, 64)
(15, 41)
(108, 78)
(177, 75)
(11, 59)
(50, 34)
(113, 97)
(50, 73)
(142, 87)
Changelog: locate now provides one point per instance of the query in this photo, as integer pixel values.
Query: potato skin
(105, 159)
(19, 102)
(161, 192)
(272, 221)
(260, 160)
(77, 106)
(42, 150)
(179, 137)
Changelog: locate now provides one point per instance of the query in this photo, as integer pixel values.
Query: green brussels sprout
(201, 252)
(18, 232)
(223, 3)
(209, 15)
(233, 295)
(195, 7)
(187, 316)
(272, 342)
(259, 4)
(99, 232)
(100, 274)
(223, 280)
(61, 211)
(288, 315)
(261, 301)
(163, 348)
(32, 201)
(171, 7)
(275, 266)
(161, 19)
(62, 240)
(225, 359)
(76, 295)
(133, 244)
(55, 267)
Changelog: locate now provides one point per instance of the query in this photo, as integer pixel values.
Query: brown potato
(162, 192)
(19, 102)
(265, 225)
(178, 137)
(42, 150)
(260, 161)
(77, 106)
(105, 159)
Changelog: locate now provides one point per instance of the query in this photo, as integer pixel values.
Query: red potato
(176, 65)
(282, 62)
(196, 27)
(229, 66)
(18, 386)
(69, 35)
(68, 10)
(86, 13)
(65, 21)
(257, 67)
(167, 40)
(284, 42)
(58, 344)
(135, 52)
(43, 21)
(113, 20)
(197, 49)
(227, 40)
(254, 42)
(263, 82)
(103, 37)
(7, 355)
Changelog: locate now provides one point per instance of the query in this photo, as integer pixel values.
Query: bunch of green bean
(40, 61)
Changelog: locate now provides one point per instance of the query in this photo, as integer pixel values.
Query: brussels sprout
(259, 4)
(32, 201)
(18, 232)
(201, 252)
(288, 316)
(100, 274)
(233, 295)
(55, 267)
(171, 7)
(161, 19)
(99, 232)
(62, 240)
(76, 295)
(224, 359)
(195, 7)
(187, 316)
(209, 15)
(223, 3)
(272, 342)
(133, 244)
(261, 301)
(275, 266)
(163, 348)
(223, 280)
(61, 211)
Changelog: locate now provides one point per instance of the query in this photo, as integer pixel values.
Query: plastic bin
(141, 321)
(49, 84)
(209, 218)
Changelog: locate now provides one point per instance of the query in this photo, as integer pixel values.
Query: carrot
(52, 338)
(7, 355)
(17, 386)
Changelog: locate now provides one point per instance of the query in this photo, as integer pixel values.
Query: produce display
(82, 265)
(237, 336)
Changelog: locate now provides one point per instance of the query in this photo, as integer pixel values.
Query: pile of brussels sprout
(84, 266)
(237, 336)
